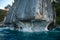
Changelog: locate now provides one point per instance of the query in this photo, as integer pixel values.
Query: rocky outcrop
(32, 15)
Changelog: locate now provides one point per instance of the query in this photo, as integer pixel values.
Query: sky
(4, 3)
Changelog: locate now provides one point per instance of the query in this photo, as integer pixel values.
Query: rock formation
(30, 15)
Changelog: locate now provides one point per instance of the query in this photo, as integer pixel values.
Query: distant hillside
(57, 7)
(2, 14)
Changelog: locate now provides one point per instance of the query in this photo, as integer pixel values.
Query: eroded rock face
(31, 11)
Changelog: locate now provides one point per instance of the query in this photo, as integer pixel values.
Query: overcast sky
(4, 3)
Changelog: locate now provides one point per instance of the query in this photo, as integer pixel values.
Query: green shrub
(57, 7)
(2, 14)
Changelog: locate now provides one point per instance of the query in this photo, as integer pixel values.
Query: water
(7, 34)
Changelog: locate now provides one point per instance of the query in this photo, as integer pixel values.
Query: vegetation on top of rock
(2, 14)
(57, 7)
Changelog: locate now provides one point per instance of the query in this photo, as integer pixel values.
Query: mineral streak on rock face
(32, 15)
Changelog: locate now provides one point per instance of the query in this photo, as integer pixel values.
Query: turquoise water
(7, 34)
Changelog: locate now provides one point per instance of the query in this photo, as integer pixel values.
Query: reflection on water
(7, 34)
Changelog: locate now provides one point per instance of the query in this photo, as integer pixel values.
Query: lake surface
(7, 34)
